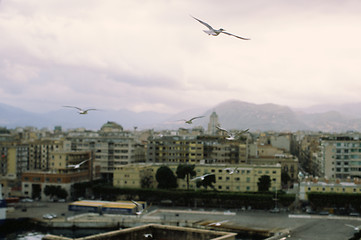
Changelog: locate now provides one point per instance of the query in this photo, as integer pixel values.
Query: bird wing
(82, 162)
(195, 118)
(222, 129)
(74, 107)
(90, 109)
(193, 179)
(349, 225)
(243, 131)
(205, 24)
(230, 34)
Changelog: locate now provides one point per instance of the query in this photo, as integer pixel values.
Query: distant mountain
(12, 117)
(242, 115)
(231, 114)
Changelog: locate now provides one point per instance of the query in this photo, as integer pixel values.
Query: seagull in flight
(217, 223)
(215, 32)
(232, 136)
(139, 207)
(76, 166)
(231, 170)
(202, 177)
(80, 110)
(190, 121)
(357, 229)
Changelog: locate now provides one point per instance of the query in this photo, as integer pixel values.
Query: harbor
(277, 225)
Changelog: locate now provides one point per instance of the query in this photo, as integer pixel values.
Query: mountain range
(232, 114)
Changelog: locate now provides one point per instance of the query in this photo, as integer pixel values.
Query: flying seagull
(190, 121)
(202, 177)
(76, 166)
(231, 170)
(231, 135)
(357, 229)
(80, 110)
(215, 32)
(139, 207)
(217, 223)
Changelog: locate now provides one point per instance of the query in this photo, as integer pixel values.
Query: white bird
(231, 135)
(148, 235)
(76, 166)
(231, 170)
(217, 223)
(357, 229)
(215, 32)
(202, 177)
(80, 110)
(190, 121)
(139, 207)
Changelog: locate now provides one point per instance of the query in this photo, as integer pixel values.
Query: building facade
(244, 178)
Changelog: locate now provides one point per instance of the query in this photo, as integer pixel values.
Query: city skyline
(152, 56)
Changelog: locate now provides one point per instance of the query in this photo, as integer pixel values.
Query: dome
(111, 126)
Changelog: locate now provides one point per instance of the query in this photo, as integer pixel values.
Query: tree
(55, 191)
(146, 182)
(285, 178)
(185, 171)
(207, 181)
(166, 178)
(264, 183)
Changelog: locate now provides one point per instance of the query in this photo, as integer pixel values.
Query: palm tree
(186, 171)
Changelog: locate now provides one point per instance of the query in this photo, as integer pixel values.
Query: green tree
(166, 178)
(146, 182)
(285, 178)
(185, 171)
(207, 182)
(55, 191)
(264, 183)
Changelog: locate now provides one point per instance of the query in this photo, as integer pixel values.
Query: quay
(294, 226)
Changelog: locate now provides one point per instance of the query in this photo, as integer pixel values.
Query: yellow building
(244, 179)
(337, 186)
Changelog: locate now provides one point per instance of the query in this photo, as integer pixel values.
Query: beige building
(244, 179)
(326, 186)
(66, 168)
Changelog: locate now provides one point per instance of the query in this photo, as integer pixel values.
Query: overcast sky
(150, 55)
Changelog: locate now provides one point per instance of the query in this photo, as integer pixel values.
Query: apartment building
(341, 156)
(196, 149)
(111, 145)
(244, 178)
(63, 172)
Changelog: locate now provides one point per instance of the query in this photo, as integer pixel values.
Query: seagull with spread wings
(232, 135)
(139, 207)
(215, 32)
(202, 177)
(80, 110)
(76, 166)
(190, 121)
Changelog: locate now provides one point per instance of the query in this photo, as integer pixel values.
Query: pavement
(299, 226)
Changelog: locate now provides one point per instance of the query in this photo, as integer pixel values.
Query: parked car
(354, 214)
(274, 210)
(49, 216)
